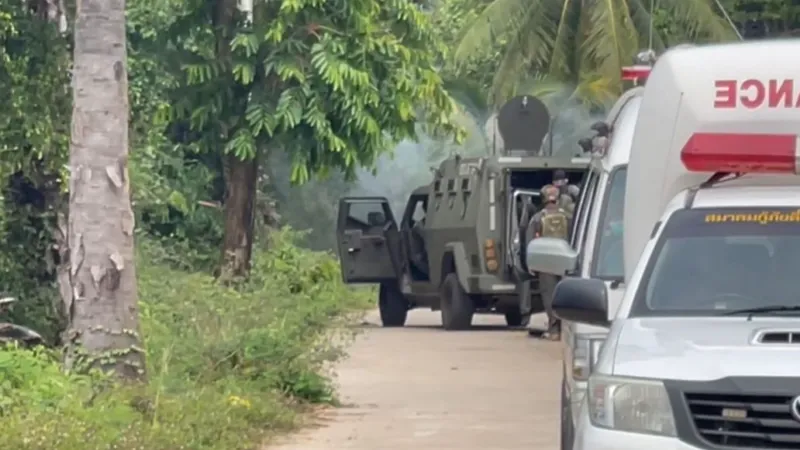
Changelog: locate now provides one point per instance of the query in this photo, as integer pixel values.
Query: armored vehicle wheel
(457, 307)
(392, 305)
(517, 319)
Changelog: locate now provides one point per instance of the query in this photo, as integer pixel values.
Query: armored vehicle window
(711, 261)
(366, 216)
(419, 211)
(607, 262)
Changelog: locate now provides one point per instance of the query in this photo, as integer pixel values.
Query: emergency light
(636, 73)
(742, 153)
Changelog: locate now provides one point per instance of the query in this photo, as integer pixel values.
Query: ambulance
(702, 352)
(597, 242)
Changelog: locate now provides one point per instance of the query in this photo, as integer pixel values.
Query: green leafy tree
(765, 18)
(471, 79)
(34, 139)
(582, 44)
(334, 84)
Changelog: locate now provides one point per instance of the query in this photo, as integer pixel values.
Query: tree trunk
(241, 177)
(241, 180)
(102, 308)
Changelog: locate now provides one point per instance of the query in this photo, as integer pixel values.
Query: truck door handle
(353, 250)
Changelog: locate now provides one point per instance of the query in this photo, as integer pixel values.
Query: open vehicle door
(523, 207)
(368, 240)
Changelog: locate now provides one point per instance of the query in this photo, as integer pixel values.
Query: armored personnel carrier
(457, 247)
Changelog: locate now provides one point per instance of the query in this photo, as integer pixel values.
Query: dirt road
(419, 388)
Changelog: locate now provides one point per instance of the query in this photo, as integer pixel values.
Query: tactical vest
(555, 224)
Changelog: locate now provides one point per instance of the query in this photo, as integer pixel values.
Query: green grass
(227, 366)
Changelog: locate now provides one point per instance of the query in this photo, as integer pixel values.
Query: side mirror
(582, 300)
(551, 255)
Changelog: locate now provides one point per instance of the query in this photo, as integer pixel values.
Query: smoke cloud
(313, 206)
(410, 165)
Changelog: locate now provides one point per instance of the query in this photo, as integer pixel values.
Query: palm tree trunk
(102, 308)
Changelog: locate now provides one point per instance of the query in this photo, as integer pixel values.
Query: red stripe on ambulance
(754, 94)
(742, 153)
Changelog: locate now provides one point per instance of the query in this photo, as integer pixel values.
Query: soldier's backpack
(555, 224)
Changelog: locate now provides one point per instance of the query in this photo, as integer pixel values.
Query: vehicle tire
(567, 428)
(392, 305)
(456, 305)
(517, 319)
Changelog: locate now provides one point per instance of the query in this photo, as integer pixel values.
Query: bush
(226, 364)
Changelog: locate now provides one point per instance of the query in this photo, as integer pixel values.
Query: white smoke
(411, 165)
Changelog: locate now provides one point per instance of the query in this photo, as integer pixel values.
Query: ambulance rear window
(709, 261)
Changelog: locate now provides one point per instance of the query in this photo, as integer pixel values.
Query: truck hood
(702, 349)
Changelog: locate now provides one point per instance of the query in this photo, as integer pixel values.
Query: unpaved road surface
(419, 388)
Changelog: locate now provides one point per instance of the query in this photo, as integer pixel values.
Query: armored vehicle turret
(458, 246)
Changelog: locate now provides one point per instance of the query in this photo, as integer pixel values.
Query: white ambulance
(702, 351)
(597, 242)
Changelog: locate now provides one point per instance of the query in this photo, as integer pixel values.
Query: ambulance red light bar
(742, 153)
(636, 73)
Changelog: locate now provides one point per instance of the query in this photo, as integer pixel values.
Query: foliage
(224, 362)
(333, 83)
(575, 42)
(470, 80)
(762, 18)
(34, 83)
(174, 189)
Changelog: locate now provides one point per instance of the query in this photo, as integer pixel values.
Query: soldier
(551, 221)
(568, 193)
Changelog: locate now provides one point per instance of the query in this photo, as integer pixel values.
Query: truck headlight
(630, 404)
(585, 354)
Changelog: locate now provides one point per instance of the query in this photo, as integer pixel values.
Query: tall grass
(227, 365)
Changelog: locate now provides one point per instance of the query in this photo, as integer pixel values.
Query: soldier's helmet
(559, 177)
(551, 194)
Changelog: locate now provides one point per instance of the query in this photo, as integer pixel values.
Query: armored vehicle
(458, 246)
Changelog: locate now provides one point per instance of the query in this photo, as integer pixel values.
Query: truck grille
(752, 421)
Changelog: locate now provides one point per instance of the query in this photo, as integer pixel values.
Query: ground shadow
(428, 327)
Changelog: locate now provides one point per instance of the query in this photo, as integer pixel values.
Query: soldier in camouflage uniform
(568, 193)
(552, 221)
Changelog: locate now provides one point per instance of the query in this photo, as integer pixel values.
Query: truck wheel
(457, 307)
(392, 305)
(517, 319)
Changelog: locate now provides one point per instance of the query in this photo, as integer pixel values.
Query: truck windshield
(607, 263)
(713, 261)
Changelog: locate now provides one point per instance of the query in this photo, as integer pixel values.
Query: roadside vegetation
(228, 365)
